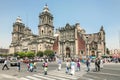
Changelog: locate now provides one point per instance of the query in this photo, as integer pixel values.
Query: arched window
(42, 31)
(50, 32)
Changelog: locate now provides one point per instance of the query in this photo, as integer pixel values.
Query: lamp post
(63, 50)
(86, 47)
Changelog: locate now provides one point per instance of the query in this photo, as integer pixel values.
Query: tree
(40, 53)
(49, 53)
(21, 54)
(15, 54)
(4, 55)
(30, 54)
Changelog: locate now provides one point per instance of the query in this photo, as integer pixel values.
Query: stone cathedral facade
(67, 41)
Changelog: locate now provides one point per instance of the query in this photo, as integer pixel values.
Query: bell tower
(18, 30)
(102, 37)
(45, 26)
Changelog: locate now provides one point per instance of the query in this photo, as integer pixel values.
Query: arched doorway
(67, 52)
(93, 53)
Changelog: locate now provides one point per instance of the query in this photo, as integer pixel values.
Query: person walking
(98, 63)
(78, 65)
(72, 67)
(88, 64)
(31, 67)
(45, 67)
(67, 66)
(5, 64)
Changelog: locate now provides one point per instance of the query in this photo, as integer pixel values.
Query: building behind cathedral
(67, 41)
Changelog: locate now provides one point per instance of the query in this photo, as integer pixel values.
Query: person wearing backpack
(45, 66)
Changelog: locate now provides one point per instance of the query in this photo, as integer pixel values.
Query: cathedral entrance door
(67, 52)
(93, 53)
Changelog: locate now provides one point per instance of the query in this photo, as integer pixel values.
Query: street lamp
(63, 50)
(87, 46)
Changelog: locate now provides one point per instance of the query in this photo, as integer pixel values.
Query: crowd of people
(72, 65)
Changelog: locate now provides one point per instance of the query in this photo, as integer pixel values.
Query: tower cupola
(19, 20)
(46, 9)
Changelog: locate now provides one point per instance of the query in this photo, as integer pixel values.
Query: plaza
(59, 40)
(110, 71)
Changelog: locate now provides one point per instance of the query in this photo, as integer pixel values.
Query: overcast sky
(91, 14)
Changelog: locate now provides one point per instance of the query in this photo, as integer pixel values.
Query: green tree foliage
(40, 53)
(21, 54)
(15, 54)
(11, 54)
(4, 55)
(30, 54)
(49, 53)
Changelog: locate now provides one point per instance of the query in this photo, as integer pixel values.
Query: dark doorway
(67, 52)
(93, 53)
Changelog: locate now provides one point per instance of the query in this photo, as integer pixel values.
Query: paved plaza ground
(110, 71)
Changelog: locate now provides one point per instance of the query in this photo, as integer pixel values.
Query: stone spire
(101, 29)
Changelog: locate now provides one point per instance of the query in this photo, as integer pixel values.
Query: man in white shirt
(5, 65)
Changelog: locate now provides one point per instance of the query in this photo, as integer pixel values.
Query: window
(42, 31)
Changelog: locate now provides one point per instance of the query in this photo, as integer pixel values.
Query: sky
(91, 14)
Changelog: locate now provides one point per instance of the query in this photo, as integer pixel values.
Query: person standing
(18, 65)
(28, 66)
(59, 64)
(101, 63)
(88, 64)
(35, 66)
(31, 67)
(5, 64)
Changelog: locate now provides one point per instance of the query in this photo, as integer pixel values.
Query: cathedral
(67, 41)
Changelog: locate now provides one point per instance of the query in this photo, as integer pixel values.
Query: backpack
(46, 64)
